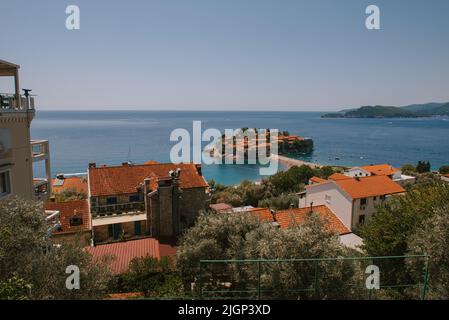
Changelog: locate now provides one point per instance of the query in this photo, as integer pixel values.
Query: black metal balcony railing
(9, 102)
(117, 209)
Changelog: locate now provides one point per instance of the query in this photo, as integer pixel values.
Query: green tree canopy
(243, 236)
(27, 255)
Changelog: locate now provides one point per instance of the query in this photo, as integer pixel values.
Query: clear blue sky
(228, 54)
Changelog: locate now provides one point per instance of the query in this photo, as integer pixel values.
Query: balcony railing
(40, 149)
(10, 103)
(117, 209)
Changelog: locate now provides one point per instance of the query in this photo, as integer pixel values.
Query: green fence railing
(310, 278)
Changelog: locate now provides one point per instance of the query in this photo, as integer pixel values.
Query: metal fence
(319, 278)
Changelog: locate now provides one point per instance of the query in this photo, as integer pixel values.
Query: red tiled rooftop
(71, 183)
(122, 253)
(286, 217)
(67, 210)
(126, 179)
(264, 214)
(338, 176)
(369, 186)
(381, 169)
(317, 180)
(221, 207)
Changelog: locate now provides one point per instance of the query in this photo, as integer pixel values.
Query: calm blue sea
(113, 137)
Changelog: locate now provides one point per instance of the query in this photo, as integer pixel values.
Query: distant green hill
(411, 111)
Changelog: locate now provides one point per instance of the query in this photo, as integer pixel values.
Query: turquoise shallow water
(112, 137)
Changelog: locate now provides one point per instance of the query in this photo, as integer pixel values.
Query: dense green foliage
(423, 167)
(27, 258)
(425, 110)
(70, 195)
(276, 192)
(444, 170)
(154, 278)
(243, 236)
(408, 169)
(433, 239)
(410, 224)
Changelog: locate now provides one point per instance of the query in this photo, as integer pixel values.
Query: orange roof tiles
(126, 179)
(123, 252)
(381, 169)
(67, 210)
(264, 214)
(286, 217)
(369, 186)
(151, 162)
(221, 207)
(72, 183)
(317, 180)
(339, 176)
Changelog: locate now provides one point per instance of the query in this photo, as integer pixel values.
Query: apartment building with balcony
(18, 151)
(149, 200)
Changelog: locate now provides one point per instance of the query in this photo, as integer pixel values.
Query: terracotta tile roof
(72, 183)
(68, 210)
(286, 217)
(151, 162)
(381, 169)
(123, 252)
(221, 207)
(365, 187)
(339, 176)
(264, 214)
(126, 179)
(316, 180)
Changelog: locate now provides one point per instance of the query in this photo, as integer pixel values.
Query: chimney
(92, 165)
(199, 169)
(273, 213)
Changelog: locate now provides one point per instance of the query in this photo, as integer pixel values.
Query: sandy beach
(290, 162)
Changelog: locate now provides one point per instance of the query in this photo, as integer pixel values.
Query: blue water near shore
(113, 137)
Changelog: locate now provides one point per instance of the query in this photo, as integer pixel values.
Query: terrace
(14, 102)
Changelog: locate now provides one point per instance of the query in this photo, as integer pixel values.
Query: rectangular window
(5, 183)
(110, 231)
(111, 200)
(363, 202)
(134, 198)
(76, 221)
(361, 219)
(137, 228)
(117, 231)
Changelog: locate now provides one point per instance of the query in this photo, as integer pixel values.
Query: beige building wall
(15, 152)
(330, 195)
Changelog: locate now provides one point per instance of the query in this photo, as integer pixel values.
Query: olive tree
(27, 254)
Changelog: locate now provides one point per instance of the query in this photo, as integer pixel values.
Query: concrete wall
(18, 159)
(193, 201)
(357, 172)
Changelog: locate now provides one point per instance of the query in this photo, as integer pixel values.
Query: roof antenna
(129, 156)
